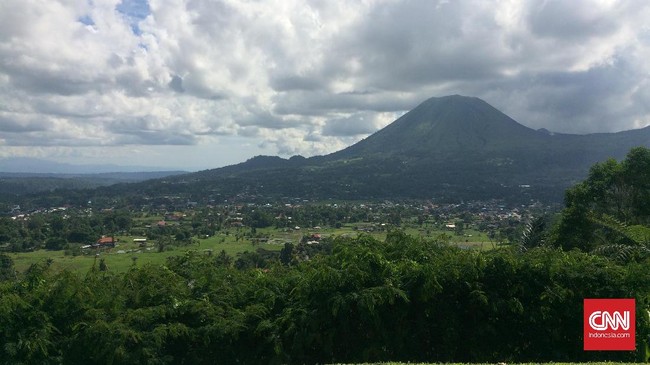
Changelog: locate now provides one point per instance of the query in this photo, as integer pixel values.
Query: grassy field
(128, 253)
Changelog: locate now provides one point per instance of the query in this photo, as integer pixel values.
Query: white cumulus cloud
(138, 77)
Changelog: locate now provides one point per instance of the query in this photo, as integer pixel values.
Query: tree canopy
(613, 191)
(402, 299)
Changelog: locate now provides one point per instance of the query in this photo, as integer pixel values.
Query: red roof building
(106, 241)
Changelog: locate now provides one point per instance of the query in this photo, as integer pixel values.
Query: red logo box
(609, 324)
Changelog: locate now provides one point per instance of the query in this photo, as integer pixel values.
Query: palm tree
(630, 242)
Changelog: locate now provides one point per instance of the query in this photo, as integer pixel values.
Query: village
(178, 222)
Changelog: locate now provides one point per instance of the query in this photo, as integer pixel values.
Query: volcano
(447, 148)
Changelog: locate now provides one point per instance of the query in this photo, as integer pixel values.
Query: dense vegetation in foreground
(533, 363)
(363, 299)
(402, 299)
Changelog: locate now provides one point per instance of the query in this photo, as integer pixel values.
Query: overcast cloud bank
(204, 83)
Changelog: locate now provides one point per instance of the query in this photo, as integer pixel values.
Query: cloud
(307, 77)
(176, 84)
(292, 82)
(20, 123)
(573, 21)
(353, 125)
(322, 102)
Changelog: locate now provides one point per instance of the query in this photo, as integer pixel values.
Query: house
(106, 241)
(142, 242)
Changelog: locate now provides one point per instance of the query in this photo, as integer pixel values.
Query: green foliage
(286, 254)
(534, 234)
(259, 219)
(613, 192)
(6, 267)
(401, 299)
(102, 265)
(55, 243)
(55, 229)
(624, 243)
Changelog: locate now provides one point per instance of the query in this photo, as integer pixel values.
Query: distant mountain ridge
(449, 148)
(31, 165)
(17, 183)
(21, 175)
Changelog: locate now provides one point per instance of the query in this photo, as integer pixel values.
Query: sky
(198, 84)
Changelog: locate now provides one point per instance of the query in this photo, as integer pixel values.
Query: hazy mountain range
(21, 175)
(40, 166)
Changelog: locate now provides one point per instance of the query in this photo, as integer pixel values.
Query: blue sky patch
(134, 11)
(87, 20)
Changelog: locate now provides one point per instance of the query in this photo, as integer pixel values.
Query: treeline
(61, 229)
(402, 299)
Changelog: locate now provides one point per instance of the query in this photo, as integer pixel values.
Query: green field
(127, 253)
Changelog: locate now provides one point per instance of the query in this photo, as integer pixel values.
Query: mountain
(23, 175)
(448, 125)
(454, 126)
(19, 183)
(450, 148)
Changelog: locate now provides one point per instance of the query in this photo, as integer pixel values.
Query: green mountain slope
(447, 125)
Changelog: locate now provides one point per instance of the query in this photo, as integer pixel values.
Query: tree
(81, 234)
(286, 254)
(249, 260)
(624, 243)
(57, 224)
(612, 189)
(55, 243)
(162, 243)
(534, 234)
(459, 228)
(6, 267)
(259, 219)
(223, 259)
(102, 265)
(636, 172)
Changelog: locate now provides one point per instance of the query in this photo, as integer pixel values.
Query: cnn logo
(603, 321)
(609, 324)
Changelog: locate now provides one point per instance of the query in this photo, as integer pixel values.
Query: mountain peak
(449, 98)
(448, 124)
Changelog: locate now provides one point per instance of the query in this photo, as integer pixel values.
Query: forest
(360, 299)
